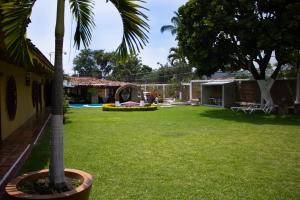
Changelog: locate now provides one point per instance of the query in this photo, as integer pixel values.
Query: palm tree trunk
(57, 176)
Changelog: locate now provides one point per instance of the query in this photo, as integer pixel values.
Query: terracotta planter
(80, 193)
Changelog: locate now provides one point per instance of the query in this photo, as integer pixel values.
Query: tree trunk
(57, 176)
(265, 91)
(297, 101)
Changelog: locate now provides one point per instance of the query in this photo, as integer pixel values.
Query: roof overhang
(217, 82)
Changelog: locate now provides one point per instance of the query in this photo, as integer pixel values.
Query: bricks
(15, 149)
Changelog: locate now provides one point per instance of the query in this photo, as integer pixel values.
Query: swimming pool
(85, 105)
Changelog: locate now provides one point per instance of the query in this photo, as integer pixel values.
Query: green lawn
(184, 153)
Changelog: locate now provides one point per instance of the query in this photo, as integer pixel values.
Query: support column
(191, 90)
(105, 92)
(164, 92)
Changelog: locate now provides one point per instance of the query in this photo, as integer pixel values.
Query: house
(91, 90)
(24, 95)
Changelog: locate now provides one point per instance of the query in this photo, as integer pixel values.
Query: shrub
(112, 107)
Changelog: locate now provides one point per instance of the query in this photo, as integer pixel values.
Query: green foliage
(82, 11)
(16, 16)
(14, 21)
(174, 88)
(106, 61)
(179, 72)
(135, 27)
(112, 107)
(85, 64)
(293, 66)
(171, 28)
(65, 108)
(101, 64)
(130, 71)
(238, 34)
(176, 57)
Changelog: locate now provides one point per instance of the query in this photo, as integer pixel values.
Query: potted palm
(15, 17)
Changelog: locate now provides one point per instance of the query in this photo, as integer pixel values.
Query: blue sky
(108, 32)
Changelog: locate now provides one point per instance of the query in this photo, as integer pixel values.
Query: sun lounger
(253, 107)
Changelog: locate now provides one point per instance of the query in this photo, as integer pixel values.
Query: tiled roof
(91, 81)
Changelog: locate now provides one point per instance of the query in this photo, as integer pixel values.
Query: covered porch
(90, 90)
(15, 149)
(218, 93)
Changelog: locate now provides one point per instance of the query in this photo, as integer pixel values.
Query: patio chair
(240, 106)
(267, 109)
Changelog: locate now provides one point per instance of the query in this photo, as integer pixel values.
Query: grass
(185, 153)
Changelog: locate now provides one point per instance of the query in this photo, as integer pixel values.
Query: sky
(108, 32)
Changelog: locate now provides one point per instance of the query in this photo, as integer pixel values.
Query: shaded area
(15, 149)
(254, 118)
(39, 157)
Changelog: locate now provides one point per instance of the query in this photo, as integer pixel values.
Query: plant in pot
(15, 17)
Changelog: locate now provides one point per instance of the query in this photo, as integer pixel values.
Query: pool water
(85, 105)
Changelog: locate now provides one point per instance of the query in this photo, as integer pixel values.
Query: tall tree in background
(85, 64)
(171, 28)
(95, 63)
(15, 17)
(236, 35)
(175, 56)
(127, 71)
(106, 61)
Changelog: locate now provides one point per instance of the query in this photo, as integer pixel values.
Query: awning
(217, 83)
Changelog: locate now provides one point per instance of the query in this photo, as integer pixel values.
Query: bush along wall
(112, 107)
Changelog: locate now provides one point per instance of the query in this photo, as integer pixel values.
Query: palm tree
(171, 28)
(175, 56)
(15, 19)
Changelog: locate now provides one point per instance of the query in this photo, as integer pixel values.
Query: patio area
(16, 148)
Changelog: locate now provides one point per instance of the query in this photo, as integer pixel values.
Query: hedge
(112, 107)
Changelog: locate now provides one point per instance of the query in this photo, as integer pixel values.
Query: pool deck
(15, 149)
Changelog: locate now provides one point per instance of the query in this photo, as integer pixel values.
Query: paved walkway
(15, 149)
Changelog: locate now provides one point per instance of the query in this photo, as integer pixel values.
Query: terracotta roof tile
(91, 81)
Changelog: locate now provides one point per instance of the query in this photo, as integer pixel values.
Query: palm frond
(14, 21)
(167, 28)
(135, 26)
(84, 17)
(175, 19)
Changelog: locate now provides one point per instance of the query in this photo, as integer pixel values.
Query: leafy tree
(175, 56)
(106, 61)
(95, 63)
(235, 35)
(85, 64)
(127, 71)
(15, 17)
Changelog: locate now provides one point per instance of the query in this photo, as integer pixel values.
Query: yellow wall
(25, 109)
